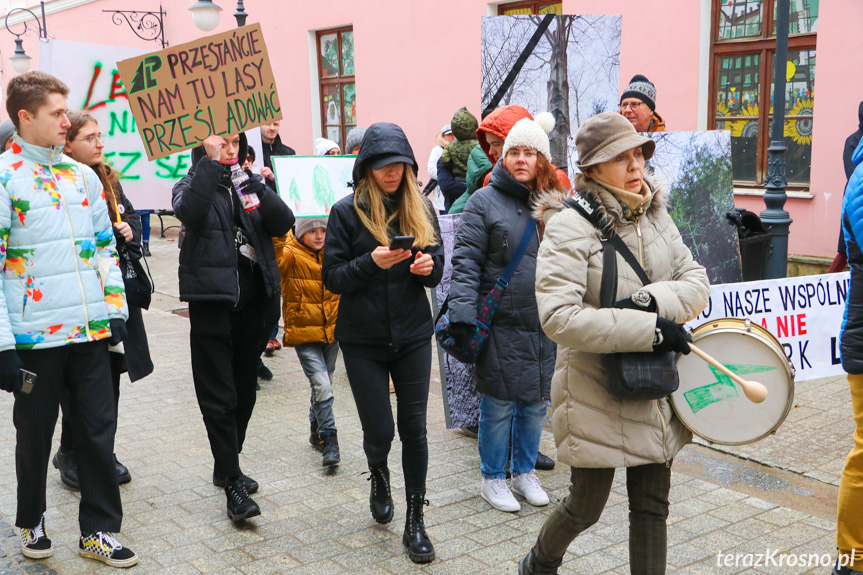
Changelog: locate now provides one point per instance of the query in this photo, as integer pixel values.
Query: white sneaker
(527, 485)
(497, 493)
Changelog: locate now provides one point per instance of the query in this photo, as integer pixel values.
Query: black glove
(10, 371)
(460, 332)
(118, 331)
(674, 337)
(253, 186)
(628, 303)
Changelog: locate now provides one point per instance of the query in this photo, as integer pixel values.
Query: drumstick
(755, 391)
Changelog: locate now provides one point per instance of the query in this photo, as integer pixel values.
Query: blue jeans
(501, 420)
(319, 363)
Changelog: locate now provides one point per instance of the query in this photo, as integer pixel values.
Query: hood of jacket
(382, 139)
(499, 123)
(857, 158)
(478, 165)
(199, 152)
(464, 125)
(547, 205)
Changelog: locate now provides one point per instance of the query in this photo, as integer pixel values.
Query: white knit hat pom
(546, 121)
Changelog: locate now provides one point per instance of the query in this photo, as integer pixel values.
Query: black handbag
(631, 375)
(137, 282)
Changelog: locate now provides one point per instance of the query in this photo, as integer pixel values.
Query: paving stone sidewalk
(315, 522)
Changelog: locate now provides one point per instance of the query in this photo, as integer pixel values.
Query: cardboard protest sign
(217, 85)
(95, 88)
(310, 185)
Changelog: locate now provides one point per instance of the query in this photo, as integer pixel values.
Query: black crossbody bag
(635, 374)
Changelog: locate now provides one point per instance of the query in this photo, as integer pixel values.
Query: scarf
(632, 205)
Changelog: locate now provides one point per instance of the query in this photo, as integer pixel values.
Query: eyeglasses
(631, 105)
(91, 139)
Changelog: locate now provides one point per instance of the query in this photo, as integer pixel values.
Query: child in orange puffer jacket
(309, 312)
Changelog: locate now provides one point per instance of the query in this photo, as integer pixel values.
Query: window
(519, 8)
(742, 74)
(337, 85)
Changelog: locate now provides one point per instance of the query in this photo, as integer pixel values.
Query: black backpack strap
(629, 257)
(608, 285)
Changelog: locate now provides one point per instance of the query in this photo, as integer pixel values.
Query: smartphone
(402, 242)
(28, 380)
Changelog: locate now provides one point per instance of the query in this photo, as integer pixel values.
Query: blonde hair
(411, 210)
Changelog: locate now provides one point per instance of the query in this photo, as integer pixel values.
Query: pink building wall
(418, 61)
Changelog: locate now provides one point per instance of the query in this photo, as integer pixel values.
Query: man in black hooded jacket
(228, 274)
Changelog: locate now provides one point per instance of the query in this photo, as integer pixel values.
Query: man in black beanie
(638, 105)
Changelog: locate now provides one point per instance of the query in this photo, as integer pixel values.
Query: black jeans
(369, 371)
(225, 346)
(647, 487)
(67, 435)
(79, 375)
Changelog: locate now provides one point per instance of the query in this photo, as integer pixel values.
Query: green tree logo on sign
(144, 79)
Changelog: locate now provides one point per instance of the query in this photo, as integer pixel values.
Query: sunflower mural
(741, 124)
(800, 129)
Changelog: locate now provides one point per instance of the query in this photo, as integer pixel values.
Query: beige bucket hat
(606, 136)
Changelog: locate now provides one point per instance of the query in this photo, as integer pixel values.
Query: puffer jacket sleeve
(193, 195)
(342, 273)
(7, 340)
(688, 293)
(561, 284)
(277, 216)
(468, 259)
(106, 245)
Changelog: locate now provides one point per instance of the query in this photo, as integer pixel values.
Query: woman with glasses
(85, 143)
(514, 370)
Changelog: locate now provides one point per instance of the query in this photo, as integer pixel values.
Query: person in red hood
(491, 134)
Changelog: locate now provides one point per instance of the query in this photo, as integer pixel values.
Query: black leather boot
(419, 546)
(66, 462)
(380, 499)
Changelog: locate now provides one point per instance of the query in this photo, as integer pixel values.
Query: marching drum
(711, 405)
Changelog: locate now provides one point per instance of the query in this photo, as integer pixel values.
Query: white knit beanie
(531, 134)
(304, 225)
(322, 146)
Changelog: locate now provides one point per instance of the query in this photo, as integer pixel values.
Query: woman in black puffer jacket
(228, 274)
(384, 325)
(514, 370)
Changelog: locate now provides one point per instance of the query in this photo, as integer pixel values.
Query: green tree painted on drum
(294, 193)
(322, 187)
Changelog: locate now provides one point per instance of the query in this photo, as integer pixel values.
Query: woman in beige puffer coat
(595, 432)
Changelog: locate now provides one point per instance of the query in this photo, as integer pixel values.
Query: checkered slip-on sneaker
(35, 543)
(102, 546)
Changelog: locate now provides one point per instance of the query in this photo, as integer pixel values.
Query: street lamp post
(206, 14)
(775, 218)
(20, 60)
(146, 25)
(240, 14)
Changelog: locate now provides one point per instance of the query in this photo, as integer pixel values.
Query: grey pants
(647, 487)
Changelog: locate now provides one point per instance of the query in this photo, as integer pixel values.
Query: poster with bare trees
(695, 171)
(573, 70)
(458, 381)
